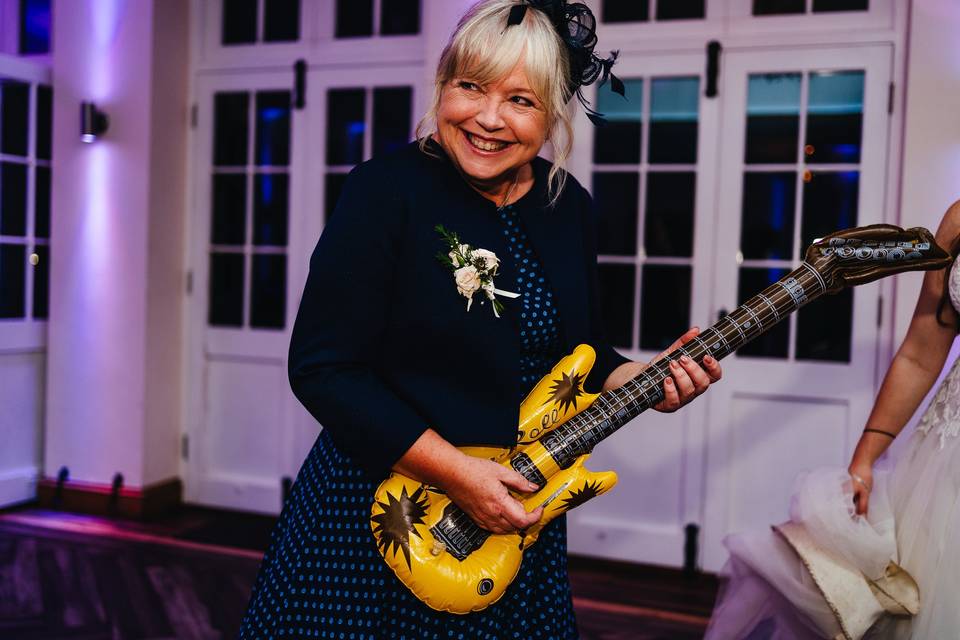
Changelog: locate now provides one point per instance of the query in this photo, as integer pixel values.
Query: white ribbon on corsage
(492, 292)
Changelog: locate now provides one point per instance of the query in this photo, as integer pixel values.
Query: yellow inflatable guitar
(453, 565)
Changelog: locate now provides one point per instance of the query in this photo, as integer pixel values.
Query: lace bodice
(943, 414)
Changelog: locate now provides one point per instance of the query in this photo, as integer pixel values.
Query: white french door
(803, 144)
(652, 173)
(25, 170)
(248, 172)
(266, 176)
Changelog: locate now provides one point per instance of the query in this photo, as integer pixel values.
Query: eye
(469, 86)
(520, 100)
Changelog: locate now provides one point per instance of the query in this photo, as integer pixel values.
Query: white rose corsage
(473, 270)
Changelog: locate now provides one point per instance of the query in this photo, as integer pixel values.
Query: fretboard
(613, 409)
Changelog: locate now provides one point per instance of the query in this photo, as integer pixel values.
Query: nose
(489, 116)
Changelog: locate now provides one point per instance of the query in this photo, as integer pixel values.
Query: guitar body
(445, 559)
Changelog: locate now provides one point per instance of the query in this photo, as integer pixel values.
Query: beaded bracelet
(892, 436)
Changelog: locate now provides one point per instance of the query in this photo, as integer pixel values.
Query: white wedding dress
(914, 520)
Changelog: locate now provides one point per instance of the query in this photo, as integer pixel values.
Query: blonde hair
(483, 49)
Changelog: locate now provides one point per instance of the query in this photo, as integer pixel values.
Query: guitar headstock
(863, 254)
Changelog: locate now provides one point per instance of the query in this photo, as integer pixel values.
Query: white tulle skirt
(913, 520)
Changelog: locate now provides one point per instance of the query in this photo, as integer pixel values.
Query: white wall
(116, 242)
(165, 269)
(931, 142)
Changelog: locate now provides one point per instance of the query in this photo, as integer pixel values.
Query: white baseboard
(18, 485)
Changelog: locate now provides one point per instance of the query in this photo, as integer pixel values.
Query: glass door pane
(362, 122)
(25, 127)
(819, 178)
(249, 209)
(644, 184)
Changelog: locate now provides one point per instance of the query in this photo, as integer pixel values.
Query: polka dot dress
(322, 576)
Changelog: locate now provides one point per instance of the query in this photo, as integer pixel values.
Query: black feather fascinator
(577, 27)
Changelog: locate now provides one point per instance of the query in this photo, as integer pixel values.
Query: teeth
(483, 145)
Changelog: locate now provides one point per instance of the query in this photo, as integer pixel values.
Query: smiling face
(490, 131)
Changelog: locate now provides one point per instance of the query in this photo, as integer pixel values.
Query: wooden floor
(189, 577)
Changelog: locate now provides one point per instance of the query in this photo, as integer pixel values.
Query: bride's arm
(914, 368)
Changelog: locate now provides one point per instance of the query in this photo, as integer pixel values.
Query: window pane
(619, 141)
(270, 209)
(664, 305)
(345, 126)
(773, 343)
(281, 20)
(230, 128)
(269, 288)
(776, 7)
(229, 208)
(399, 17)
(13, 199)
(44, 121)
(333, 187)
(226, 289)
(239, 22)
(41, 222)
(773, 117)
(766, 229)
(625, 10)
(273, 128)
(680, 9)
(615, 201)
(829, 204)
(391, 118)
(41, 282)
(824, 6)
(13, 263)
(15, 106)
(674, 105)
(34, 26)
(617, 302)
(668, 229)
(825, 327)
(354, 18)
(835, 117)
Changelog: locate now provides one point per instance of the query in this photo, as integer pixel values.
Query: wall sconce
(93, 122)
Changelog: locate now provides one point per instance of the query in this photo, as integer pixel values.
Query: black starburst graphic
(393, 527)
(566, 390)
(588, 491)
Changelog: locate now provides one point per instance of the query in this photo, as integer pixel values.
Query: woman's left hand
(688, 379)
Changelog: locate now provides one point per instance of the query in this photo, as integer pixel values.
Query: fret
(816, 275)
(697, 348)
(736, 319)
(722, 336)
(753, 323)
(715, 340)
(776, 314)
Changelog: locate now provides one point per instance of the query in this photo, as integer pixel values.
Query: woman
(400, 371)
(910, 515)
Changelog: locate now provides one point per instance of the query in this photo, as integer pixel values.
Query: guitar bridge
(458, 533)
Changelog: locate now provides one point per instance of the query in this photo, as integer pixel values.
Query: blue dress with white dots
(322, 576)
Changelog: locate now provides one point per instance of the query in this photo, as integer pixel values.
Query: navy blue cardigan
(383, 346)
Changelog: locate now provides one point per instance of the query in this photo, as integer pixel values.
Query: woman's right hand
(481, 488)
(861, 478)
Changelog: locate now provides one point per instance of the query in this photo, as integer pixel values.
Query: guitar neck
(613, 409)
